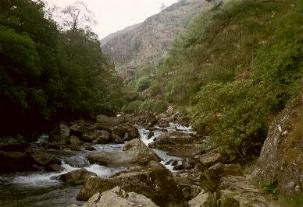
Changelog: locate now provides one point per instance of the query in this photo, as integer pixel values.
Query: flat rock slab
(156, 184)
(117, 197)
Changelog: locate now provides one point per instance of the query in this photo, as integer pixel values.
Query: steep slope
(148, 41)
(236, 67)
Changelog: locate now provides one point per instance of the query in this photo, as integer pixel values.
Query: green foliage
(269, 186)
(147, 105)
(47, 75)
(237, 65)
(143, 84)
(295, 201)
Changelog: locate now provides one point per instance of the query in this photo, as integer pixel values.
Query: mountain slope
(148, 41)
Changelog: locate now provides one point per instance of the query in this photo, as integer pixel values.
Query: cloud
(114, 15)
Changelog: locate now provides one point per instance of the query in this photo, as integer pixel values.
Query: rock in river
(77, 177)
(156, 184)
(117, 197)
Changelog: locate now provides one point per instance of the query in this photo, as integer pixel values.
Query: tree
(77, 16)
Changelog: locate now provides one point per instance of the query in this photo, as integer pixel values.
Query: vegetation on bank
(48, 75)
(236, 67)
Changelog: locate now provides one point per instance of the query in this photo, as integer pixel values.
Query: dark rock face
(13, 143)
(15, 161)
(13, 156)
(42, 158)
(280, 163)
(156, 184)
(60, 134)
(77, 177)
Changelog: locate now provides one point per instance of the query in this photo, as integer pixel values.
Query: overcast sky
(114, 15)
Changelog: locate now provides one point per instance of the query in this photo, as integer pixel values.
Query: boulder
(210, 158)
(106, 122)
(117, 197)
(42, 158)
(73, 140)
(77, 177)
(60, 134)
(179, 144)
(15, 161)
(156, 184)
(122, 133)
(17, 143)
(204, 199)
(135, 152)
(96, 136)
(54, 167)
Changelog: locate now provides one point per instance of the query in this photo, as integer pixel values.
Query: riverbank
(162, 161)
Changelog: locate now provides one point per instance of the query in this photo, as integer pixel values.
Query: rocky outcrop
(156, 184)
(280, 164)
(134, 153)
(149, 41)
(77, 177)
(117, 197)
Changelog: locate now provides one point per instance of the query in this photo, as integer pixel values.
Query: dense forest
(48, 73)
(235, 68)
(215, 122)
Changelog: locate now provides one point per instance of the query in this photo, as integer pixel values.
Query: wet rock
(15, 161)
(77, 177)
(73, 140)
(76, 161)
(54, 167)
(17, 143)
(123, 133)
(89, 148)
(106, 122)
(43, 158)
(156, 184)
(117, 197)
(103, 138)
(135, 152)
(96, 136)
(60, 134)
(178, 144)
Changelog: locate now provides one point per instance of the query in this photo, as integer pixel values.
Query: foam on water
(144, 133)
(166, 159)
(43, 179)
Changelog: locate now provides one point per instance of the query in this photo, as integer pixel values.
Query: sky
(115, 15)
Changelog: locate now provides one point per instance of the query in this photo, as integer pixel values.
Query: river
(44, 189)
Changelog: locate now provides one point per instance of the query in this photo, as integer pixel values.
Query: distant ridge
(148, 41)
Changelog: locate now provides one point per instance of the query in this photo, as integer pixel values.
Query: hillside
(148, 41)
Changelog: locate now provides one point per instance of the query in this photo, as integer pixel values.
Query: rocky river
(117, 162)
(42, 188)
